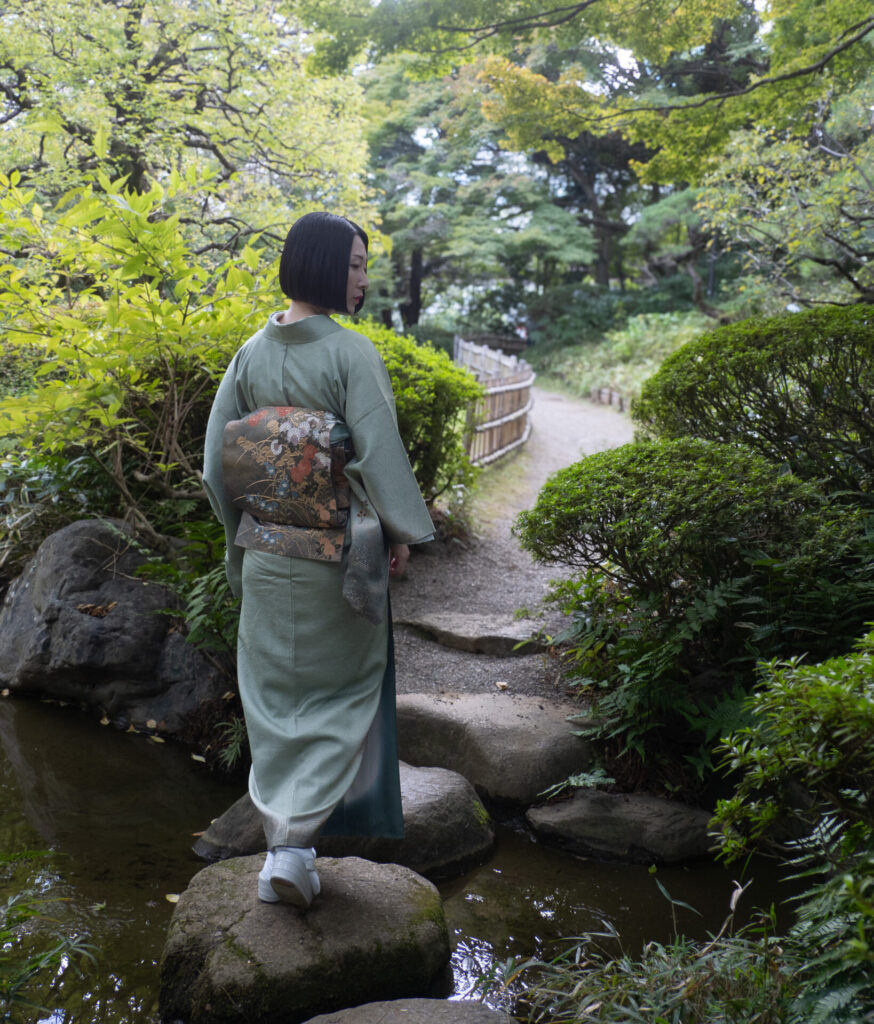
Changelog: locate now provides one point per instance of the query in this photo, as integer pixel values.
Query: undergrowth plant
(625, 357)
(196, 576)
(805, 790)
(741, 976)
(207, 614)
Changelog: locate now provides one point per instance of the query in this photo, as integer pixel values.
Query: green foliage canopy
(474, 230)
(145, 88)
(766, 104)
(801, 206)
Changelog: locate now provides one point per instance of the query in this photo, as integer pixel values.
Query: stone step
(377, 932)
(510, 747)
(497, 635)
(415, 1011)
(446, 828)
(623, 826)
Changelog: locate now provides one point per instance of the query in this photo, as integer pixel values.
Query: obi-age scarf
(297, 491)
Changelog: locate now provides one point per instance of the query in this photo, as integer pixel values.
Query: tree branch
(543, 19)
(867, 25)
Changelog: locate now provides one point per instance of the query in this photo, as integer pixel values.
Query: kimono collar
(301, 331)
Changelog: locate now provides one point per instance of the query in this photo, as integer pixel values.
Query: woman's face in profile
(356, 283)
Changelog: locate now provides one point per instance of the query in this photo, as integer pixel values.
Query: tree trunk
(412, 308)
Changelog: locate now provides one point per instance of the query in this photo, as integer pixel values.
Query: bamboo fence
(499, 422)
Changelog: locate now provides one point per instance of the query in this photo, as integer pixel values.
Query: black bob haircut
(314, 267)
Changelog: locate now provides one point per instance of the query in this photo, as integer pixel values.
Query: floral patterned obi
(281, 470)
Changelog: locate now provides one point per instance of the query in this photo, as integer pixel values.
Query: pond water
(116, 813)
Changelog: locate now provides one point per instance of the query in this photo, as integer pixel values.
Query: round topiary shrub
(796, 388)
(698, 559)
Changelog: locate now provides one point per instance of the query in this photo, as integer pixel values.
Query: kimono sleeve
(224, 409)
(381, 464)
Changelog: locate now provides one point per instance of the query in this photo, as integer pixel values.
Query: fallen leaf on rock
(172, 897)
(198, 757)
(97, 610)
(156, 739)
(501, 685)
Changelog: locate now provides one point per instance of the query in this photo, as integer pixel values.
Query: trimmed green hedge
(796, 388)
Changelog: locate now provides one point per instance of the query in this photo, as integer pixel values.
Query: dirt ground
(489, 574)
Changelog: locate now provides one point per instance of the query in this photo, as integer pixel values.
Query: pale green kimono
(316, 680)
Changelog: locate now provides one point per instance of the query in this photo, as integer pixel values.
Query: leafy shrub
(807, 761)
(697, 560)
(813, 727)
(796, 388)
(132, 332)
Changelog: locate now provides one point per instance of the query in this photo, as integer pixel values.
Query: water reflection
(528, 900)
(117, 813)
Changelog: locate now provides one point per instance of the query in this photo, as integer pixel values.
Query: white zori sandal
(289, 874)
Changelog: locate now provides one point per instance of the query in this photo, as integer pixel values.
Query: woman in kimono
(306, 470)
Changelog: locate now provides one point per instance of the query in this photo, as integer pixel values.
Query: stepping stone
(415, 1011)
(624, 826)
(446, 828)
(377, 932)
(510, 747)
(479, 634)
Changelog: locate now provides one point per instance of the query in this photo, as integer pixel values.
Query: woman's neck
(300, 311)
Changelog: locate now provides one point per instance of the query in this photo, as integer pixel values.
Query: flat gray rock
(415, 1011)
(497, 635)
(376, 932)
(511, 748)
(446, 828)
(620, 826)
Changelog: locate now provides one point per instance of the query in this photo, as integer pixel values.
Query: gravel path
(490, 574)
